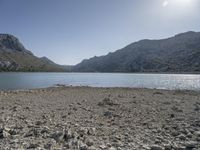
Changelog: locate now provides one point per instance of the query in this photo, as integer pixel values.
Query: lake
(11, 81)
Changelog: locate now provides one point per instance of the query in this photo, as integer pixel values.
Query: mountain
(180, 53)
(15, 57)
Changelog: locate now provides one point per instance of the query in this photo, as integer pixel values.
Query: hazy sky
(68, 31)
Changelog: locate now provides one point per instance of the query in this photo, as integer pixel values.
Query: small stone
(82, 146)
(191, 144)
(102, 146)
(32, 146)
(107, 101)
(57, 136)
(45, 129)
(91, 131)
(32, 132)
(108, 114)
(68, 135)
(112, 148)
(172, 115)
(197, 133)
(92, 148)
(89, 142)
(38, 123)
(182, 137)
(197, 108)
(156, 147)
(6, 134)
(82, 131)
(1, 133)
(109, 145)
(167, 146)
(48, 146)
(14, 108)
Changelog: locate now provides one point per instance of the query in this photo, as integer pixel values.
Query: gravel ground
(85, 118)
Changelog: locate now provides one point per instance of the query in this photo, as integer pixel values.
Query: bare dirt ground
(85, 118)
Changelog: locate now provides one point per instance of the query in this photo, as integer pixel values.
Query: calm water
(40, 80)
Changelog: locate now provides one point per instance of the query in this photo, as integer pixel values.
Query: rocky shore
(85, 118)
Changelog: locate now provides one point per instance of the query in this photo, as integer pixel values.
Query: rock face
(9, 43)
(180, 53)
(15, 57)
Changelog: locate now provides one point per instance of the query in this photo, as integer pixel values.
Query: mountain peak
(15, 57)
(189, 33)
(47, 60)
(10, 43)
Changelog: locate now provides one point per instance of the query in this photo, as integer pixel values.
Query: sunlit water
(9, 81)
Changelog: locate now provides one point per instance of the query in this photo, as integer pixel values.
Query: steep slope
(14, 57)
(180, 53)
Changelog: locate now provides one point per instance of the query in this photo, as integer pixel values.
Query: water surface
(10, 81)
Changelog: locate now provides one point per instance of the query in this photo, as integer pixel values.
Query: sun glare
(182, 2)
(165, 3)
(177, 3)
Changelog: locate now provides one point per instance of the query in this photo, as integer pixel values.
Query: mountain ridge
(179, 53)
(15, 57)
(176, 54)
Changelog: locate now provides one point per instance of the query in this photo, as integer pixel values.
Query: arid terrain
(85, 118)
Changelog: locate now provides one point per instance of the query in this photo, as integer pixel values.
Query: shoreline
(181, 73)
(63, 86)
(96, 118)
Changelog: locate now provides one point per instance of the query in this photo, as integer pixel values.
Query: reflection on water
(40, 80)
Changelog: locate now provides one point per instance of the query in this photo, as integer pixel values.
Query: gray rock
(92, 148)
(48, 145)
(156, 147)
(191, 144)
(82, 131)
(32, 146)
(1, 133)
(182, 137)
(89, 142)
(68, 135)
(82, 146)
(107, 101)
(167, 147)
(112, 148)
(108, 114)
(102, 146)
(6, 134)
(91, 131)
(197, 133)
(57, 136)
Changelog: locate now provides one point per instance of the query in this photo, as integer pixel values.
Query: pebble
(102, 146)
(57, 136)
(191, 144)
(156, 147)
(112, 148)
(92, 148)
(89, 142)
(182, 137)
(82, 146)
(32, 146)
(197, 133)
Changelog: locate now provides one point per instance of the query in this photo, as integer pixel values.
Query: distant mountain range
(15, 57)
(180, 53)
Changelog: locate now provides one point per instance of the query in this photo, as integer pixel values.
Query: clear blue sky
(68, 31)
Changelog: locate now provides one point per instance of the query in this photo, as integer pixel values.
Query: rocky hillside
(15, 57)
(180, 53)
